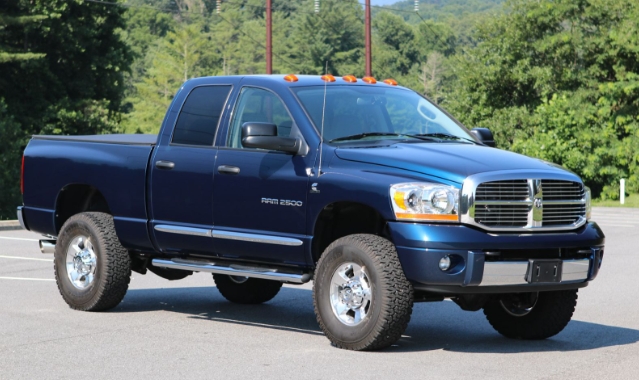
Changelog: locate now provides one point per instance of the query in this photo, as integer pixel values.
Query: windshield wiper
(360, 136)
(442, 136)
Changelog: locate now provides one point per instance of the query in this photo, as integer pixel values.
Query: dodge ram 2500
(367, 188)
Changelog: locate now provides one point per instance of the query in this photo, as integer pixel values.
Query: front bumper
(479, 266)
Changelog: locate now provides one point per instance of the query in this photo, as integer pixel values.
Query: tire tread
(115, 259)
(397, 299)
(548, 318)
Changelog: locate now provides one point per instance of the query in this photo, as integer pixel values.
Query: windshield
(374, 113)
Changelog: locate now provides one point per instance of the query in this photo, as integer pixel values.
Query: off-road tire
(548, 317)
(392, 294)
(113, 268)
(250, 292)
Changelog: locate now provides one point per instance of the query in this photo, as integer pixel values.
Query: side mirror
(484, 135)
(264, 136)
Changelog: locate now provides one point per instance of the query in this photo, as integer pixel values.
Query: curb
(8, 225)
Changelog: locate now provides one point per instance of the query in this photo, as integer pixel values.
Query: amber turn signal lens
(369, 80)
(391, 82)
(349, 78)
(328, 78)
(290, 78)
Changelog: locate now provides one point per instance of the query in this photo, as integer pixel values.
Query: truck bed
(59, 169)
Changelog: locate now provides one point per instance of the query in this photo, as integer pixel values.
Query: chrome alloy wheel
(81, 262)
(519, 305)
(238, 279)
(351, 294)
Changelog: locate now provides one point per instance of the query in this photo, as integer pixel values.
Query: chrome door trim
(183, 230)
(256, 238)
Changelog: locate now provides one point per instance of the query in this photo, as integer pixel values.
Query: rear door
(182, 174)
(260, 195)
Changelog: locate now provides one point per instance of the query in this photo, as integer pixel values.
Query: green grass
(631, 201)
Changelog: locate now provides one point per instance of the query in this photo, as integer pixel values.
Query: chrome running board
(234, 269)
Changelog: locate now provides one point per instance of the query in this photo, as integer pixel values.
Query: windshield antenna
(319, 170)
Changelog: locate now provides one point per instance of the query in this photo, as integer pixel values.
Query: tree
(11, 23)
(11, 142)
(432, 75)
(75, 83)
(176, 59)
(333, 37)
(558, 79)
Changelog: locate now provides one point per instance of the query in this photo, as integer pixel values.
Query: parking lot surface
(186, 329)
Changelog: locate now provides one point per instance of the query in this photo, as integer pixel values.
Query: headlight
(425, 202)
(588, 203)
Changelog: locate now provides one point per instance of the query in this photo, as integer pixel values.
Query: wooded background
(554, 79)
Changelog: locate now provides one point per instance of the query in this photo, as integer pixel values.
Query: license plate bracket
(544, 271)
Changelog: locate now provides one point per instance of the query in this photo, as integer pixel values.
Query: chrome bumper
(514, 272)
(21, 218)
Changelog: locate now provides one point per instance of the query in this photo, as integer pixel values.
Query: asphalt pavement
(186, 329)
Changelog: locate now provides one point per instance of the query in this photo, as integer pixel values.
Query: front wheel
(531, 316)
(362, 298)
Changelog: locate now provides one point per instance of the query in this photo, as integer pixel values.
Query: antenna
(319, 170)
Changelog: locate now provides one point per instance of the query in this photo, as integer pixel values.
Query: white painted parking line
(24, 258)
(12, 238)
(27, 279)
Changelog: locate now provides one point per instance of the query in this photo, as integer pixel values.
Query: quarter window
(200, 116)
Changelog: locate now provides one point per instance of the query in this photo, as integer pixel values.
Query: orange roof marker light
(390, 82)
(369, 80)
(290, 78)
(349, 78)
(328, 78)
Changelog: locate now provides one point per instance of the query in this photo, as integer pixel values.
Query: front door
(260, 196)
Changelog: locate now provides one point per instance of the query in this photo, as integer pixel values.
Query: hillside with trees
(554, 79)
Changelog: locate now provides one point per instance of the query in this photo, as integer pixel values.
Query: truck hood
(450, 161)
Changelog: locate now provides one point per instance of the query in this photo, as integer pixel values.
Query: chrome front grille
(562, 190)
(512, 190)
(525, 204)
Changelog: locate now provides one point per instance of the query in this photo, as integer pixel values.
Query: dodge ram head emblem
(538, 202)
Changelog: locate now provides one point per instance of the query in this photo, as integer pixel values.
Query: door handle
(167, 165)
(226, 169)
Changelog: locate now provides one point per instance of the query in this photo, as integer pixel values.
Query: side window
(256, 104)
(200, 116)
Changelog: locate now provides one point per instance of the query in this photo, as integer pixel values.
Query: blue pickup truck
(369, 189)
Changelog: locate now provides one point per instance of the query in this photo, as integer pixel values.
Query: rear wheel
(92, 269)
(246, 290)
(362, 299)
(531, 316)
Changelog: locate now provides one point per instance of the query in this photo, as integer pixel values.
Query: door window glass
(200, 116)
(258, 105)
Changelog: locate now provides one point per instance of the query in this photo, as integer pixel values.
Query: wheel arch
(76, 198)
(341, 218)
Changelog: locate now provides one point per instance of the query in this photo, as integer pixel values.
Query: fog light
(444, 263)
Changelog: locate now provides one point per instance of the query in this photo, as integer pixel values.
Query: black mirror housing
(264, 136)
(484, 135)
(251, 128)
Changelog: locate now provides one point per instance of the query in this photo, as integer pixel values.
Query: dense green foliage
(62, 71)
(554, 79)
(559, 80)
